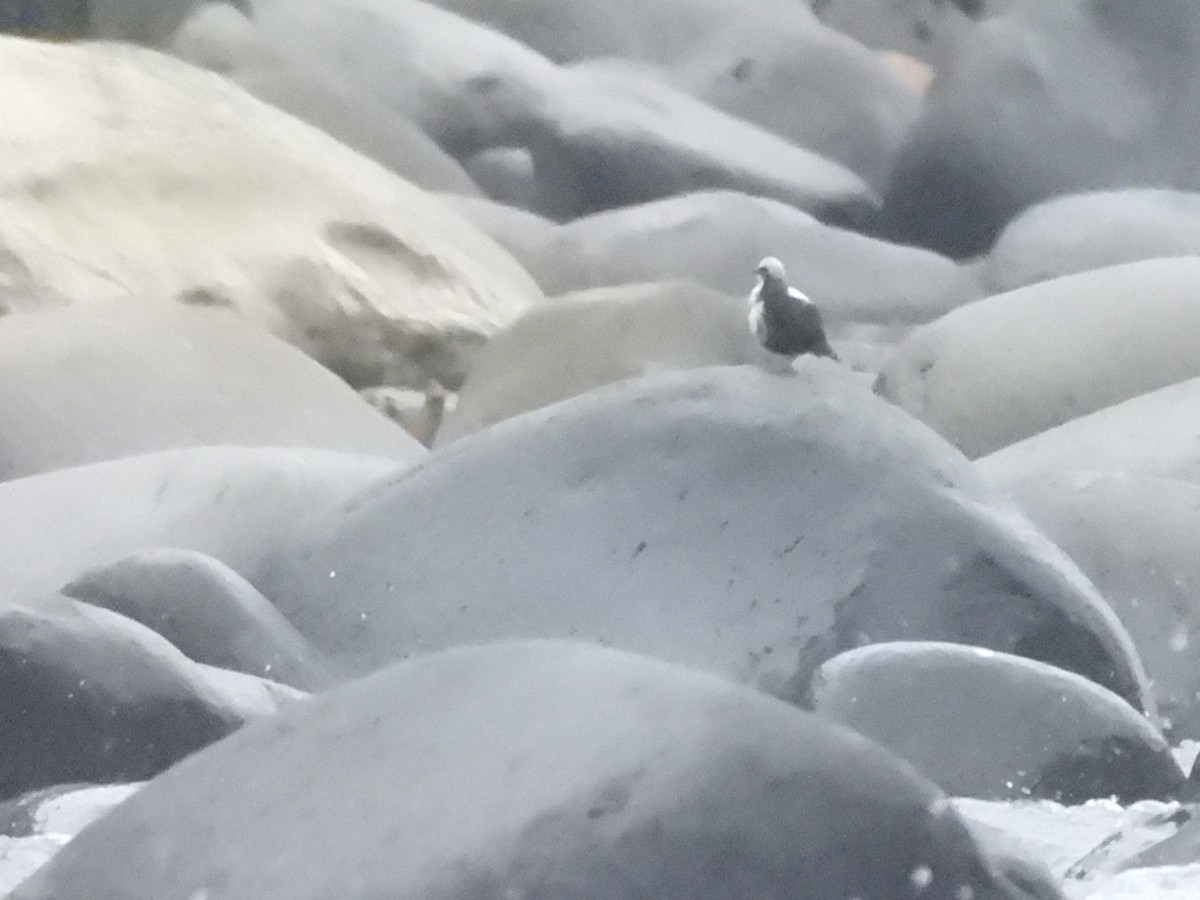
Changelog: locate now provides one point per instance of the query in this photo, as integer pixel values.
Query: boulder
(585, 340)
(1042, 77)
(770, 62)
(218, 36)
(740, 522)
(717, 238)
(1155, 434)
(1132, 536)
(630, 778)
(596, 136)
(96, 382)
(206, 610)
(530, 238)
(234, 504)
(1093, 230)
(996, 726)
(1069, 347)
(932, 30)
(123, 173)
(93, 696)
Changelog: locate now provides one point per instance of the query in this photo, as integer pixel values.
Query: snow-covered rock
(128, 173)
(626, 778)
(1008, 367)
(1079, 232)
(717, 239)
(1133, 536)
(996, 726)
(585, 340)
(768, 61)
(740, 522)
(1155, 434)
(206, 610)
(236, 504)
(1050, 98)
(95, 382)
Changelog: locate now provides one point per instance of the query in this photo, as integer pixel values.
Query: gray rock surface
(582, 341)
(629, 778)
(207, 610)
(1132, 535)
(770, 62)
(717, 238)
(1086, 231)
(1010, 366)
(235, 504)
(996, 726)
(93, 696)
(743, 523)
(1119, 88)
(122, 172)
(90, 383)
(1155, 434)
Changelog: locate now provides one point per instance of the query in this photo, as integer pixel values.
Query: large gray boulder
(1093, 230)
(1133, 536)
(532, 769)
(235, 504)
(126, 173)
(1155, 434)
(996, 726)
(1050, 98)
(1008, 367)
(598, 135)
(770, 62)
(205, 609)
(92, 696)
(582, 341)
(716, 238)
(96, 382)
(740, 522)
(218, 36)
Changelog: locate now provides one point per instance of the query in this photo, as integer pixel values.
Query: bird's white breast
(758, 324)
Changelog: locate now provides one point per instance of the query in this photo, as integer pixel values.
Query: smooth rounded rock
(1080, 232)
(595, 135)
(235, 504)
(91, 696)
(631, 778)
(124, 169)
(1133, 537)
(218, 36)
(97, 382)
(205, 609)
(1030, 83)
(740, 522)
(717, 239)
(1155, 434)
(1013, 365)
(582, 341)
(771, 62)
(996, 726)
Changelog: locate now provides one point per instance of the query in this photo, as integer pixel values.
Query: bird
(783, 319)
